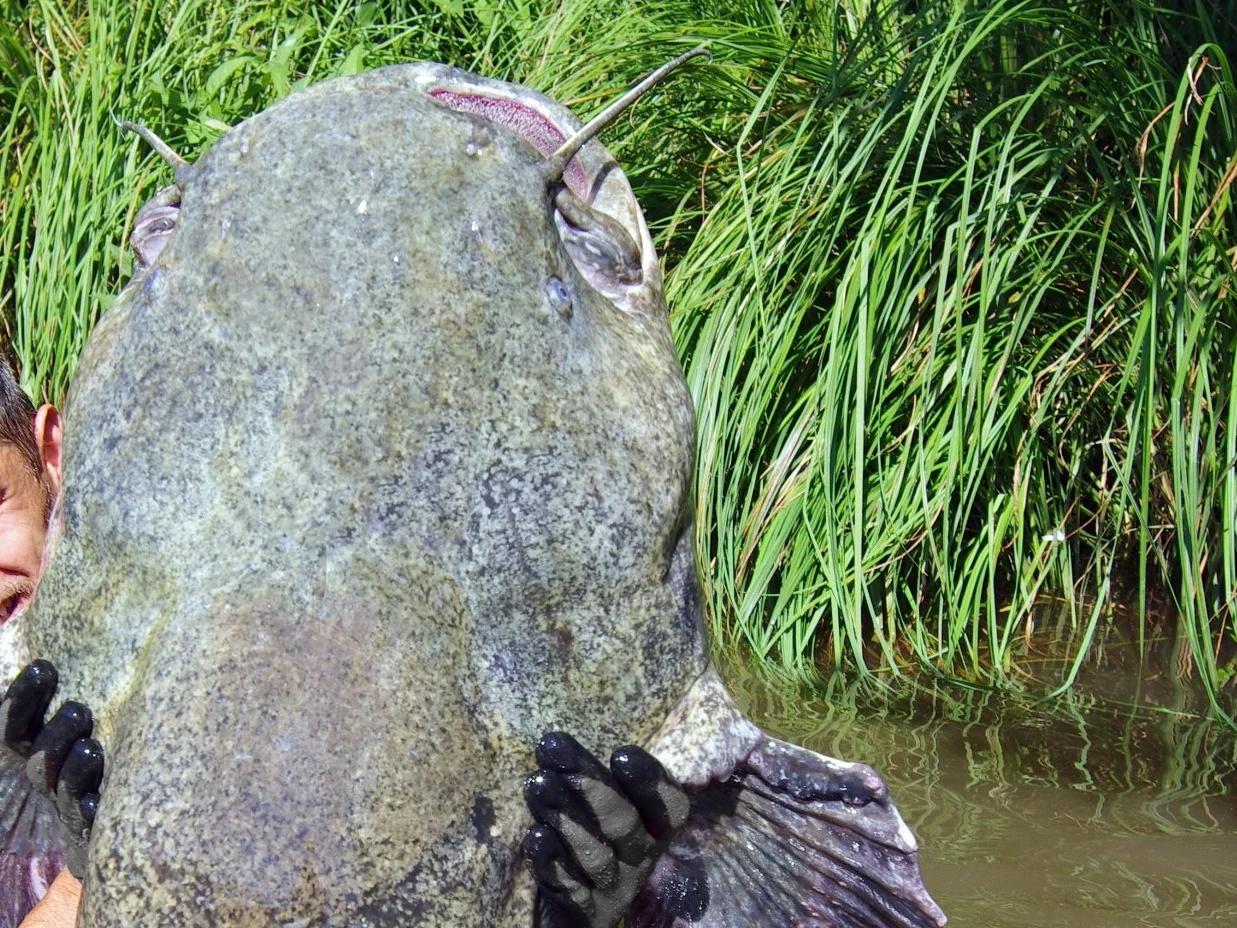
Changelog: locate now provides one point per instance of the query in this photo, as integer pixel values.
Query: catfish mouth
(531, 123)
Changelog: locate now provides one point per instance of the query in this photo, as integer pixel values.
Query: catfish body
(376, 473)
(354, 510)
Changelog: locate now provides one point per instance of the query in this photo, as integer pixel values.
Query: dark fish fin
(778, 836)
(31, 849)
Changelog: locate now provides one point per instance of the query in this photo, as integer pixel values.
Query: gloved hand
(65, 763)
(600, 831)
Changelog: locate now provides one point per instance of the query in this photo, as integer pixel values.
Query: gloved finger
(71, 722)
(662, 805)
(24, 705)
(81, 773)
(80, 776)
(560, 752)
(89, 806)
(554, 803)
(559, 882)
(76, 857)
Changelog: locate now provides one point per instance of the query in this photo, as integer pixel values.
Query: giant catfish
(379, 471)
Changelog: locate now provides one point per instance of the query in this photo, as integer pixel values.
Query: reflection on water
(1086, 818)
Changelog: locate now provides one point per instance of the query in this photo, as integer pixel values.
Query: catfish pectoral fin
(777, 836)
(791, 839)
(31, 849)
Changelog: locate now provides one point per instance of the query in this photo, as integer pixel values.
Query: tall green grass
(961, 325)
(953, 283)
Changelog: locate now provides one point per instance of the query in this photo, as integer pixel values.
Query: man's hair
(17, 416)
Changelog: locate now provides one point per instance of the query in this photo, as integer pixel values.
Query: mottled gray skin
(353, 512)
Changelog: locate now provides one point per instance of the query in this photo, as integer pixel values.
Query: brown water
(1084, 816)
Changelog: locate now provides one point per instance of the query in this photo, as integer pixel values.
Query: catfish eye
(560, 296)
(600, 247)
(152, 231)
(159, 224)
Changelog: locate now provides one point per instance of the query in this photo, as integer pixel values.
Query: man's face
(24, 499)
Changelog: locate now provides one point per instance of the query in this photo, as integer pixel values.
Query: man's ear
(48, 435)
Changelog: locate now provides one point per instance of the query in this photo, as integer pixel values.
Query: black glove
(600, 831)
(65, 763)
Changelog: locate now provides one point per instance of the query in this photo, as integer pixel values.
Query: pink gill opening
(538, 131)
